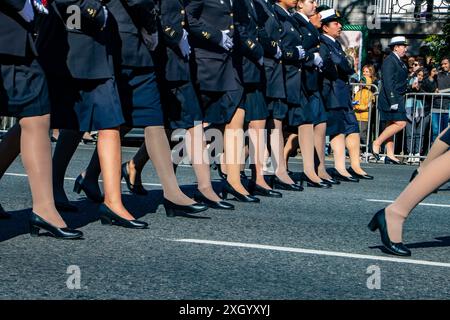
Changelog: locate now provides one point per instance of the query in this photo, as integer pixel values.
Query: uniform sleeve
(388, 78)
(172, 30)
(248, 45)
(89, 9)
(198, 28)
(264, 23)
(328, 69)
(145, 14)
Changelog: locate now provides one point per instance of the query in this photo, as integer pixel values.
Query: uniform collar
(287, 12)
(303, 15)
(330, 37)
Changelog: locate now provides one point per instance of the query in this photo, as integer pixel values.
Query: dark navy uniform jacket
(206, 19)
(84, 53)
(336, 73)
(131, 16)
(270, 30)
(249, 50)
(393, 83)
(15, 33)
(173, 21)
(311, 44)
(290, 39)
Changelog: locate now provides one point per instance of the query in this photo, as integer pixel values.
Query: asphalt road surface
(308, 245)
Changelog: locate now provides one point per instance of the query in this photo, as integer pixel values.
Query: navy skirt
(341, 121)
(393, 116)
(315, 103)
(278, 108)
(84, 105)
(139, 95)
(446, 137)
(254, 104)
(23, 88)
(220, 107)
(300, 115)
(181, 106)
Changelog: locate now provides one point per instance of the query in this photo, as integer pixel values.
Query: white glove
(279, 53)
(227, 41)
(150, 40)
(40, 7)
(184, 46)
(105, 11)
(318, 61)
(27, 12)
(394, 107)
(301, 52)
(261, 61)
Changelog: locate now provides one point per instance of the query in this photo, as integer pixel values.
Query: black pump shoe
(221, 205)
(228, 189)
(108, 217)
(80, 185)
(260, 191)
(173, 209)
(313, 184)
(65, 206)
(37, 223)
(133, 188)
(359, 176)
(335, 174)
(278, 184)
(388, 160)
(331, 181)
(379, 222)
(4, 214)
(376, 155)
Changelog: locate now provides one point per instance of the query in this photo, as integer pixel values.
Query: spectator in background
(415, 113)
(441, 106)
(429, 85)
(363, 99)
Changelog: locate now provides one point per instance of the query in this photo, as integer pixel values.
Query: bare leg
(278, 155)
(388, 133)
(9, 148)
(353, 145)
(259, 146)
(37, 160)
(290, 145)
(338, 146)
(234, 150)
(436, 173)
(110, 157)
(137, 164)
(319, 143)
(306, 141)
(438, 148)
(159, 151)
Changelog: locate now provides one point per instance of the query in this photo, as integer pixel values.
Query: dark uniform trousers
(393, 88)
(336, 92)
(23, 87)
(219, 84)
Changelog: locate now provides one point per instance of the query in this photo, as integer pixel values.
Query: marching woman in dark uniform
(342, 126)
(299, 115)
(85, 96)
(391, 103)
(434, 172)
(212, 29)
(249, 60)
(181, 108)
(311, 69)
(24, 95)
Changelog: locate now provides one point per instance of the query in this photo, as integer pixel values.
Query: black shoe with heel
(310, 183)
(388, 160)
(336, 175)
(221, 205)
(173, 209)
(133, 188)
(4, 214)
(91, 194)
(376, 155)
(257, 190)
(108, 217)
(228, 189)
(359, 176)
(37, 223)
(278, 184)
(379, 222)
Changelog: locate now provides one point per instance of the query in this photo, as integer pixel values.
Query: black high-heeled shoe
(92, 195)
(221, 205)
(278, 184)
(388, 160)
(228, 189)
(359, 176)
(37, 223)
(379, 222)
(331, 181)
(219, 170)
(376, 155)
(257, 190)
(335, 174)
(313, 184)
(65, 207)
(173, 209)
(133, 188)
(4, 214)
(108, 217)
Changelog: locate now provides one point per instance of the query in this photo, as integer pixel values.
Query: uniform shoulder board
(206, 34)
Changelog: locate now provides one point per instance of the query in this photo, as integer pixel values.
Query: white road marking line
(316, 252)
(73, 179)
(420, 204)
